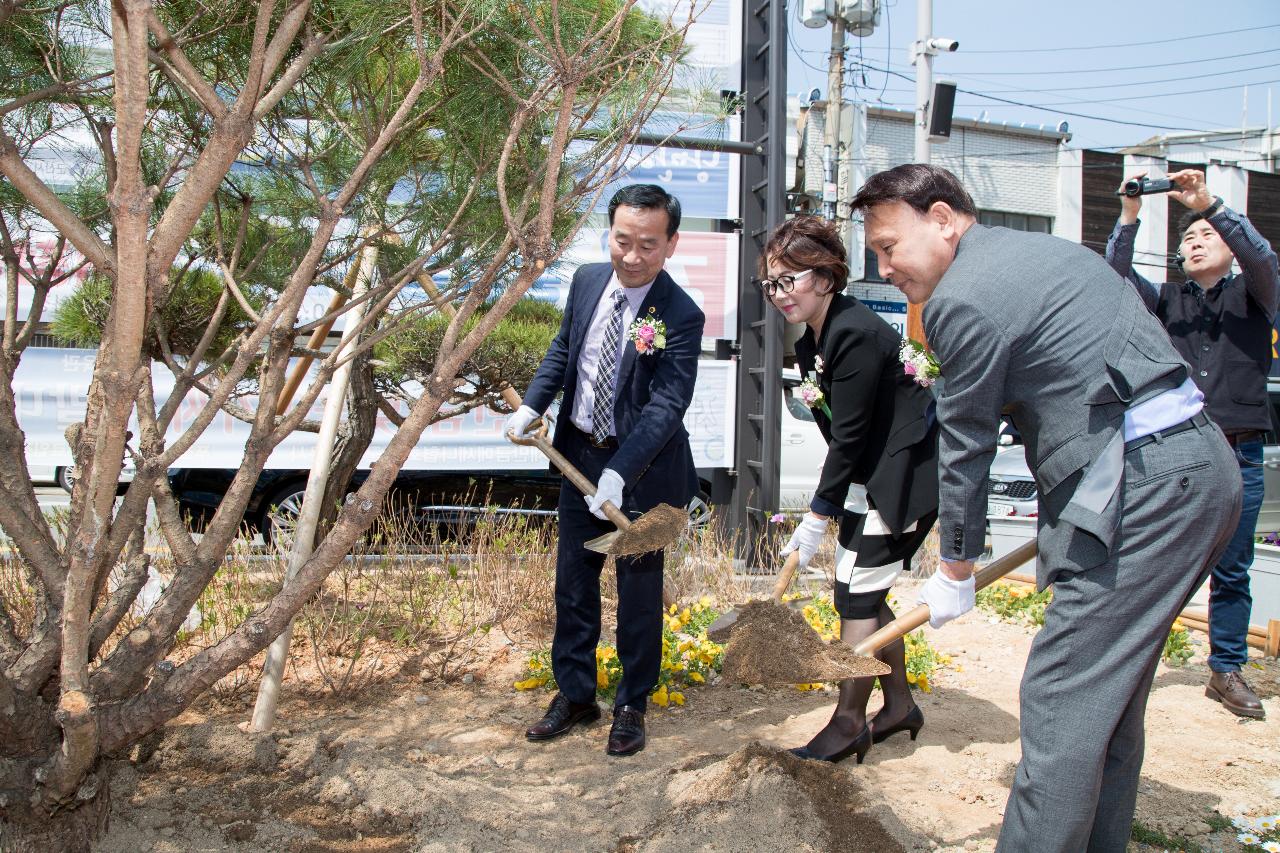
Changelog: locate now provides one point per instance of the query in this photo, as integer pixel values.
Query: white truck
(460, 463)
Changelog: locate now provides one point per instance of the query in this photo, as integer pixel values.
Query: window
(1017, 221)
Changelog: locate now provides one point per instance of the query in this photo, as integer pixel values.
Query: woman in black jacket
(881, 433)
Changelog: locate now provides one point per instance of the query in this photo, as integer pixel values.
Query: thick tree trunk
(69, 830)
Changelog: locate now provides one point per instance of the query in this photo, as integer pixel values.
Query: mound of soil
(772, 644)
(764, 798)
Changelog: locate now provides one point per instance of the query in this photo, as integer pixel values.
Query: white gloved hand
(608, 489)
(806, 538)
(518, 423)
(946, 598)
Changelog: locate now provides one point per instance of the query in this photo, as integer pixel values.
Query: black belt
(610, 443)
(1237, 438)
(1199, 419)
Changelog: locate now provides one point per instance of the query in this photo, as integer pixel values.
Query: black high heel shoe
(913, 722)
(859, 746)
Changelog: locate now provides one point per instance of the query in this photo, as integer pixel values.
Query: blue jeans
(1229, 599)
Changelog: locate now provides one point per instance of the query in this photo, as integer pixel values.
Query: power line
(1089, 101)
(1054, 110)
(1127, 44)
(1139, 82)
(1122, 67)
(1169, 94)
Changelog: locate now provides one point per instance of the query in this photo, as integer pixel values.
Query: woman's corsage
(919, 363)
(811, 395)
(648, 333)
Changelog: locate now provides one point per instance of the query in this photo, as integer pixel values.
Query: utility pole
(922, 58)
(835, 96)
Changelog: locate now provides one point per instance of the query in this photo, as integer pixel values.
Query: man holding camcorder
(1221, 323)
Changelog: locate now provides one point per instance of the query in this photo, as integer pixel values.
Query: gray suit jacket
(1040, 329)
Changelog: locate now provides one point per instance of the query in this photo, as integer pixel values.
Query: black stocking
(850, 716)
(897, 693)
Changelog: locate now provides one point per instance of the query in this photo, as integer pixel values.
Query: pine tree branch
(52, 208)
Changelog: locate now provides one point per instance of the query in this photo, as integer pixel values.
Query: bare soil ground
(427, 767)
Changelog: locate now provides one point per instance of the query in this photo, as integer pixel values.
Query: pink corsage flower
(811, 395)
(919, 363)
(648, 333)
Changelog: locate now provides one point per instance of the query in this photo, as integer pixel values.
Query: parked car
(1011, 490)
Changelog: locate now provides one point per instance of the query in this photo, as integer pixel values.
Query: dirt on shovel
(773, 644)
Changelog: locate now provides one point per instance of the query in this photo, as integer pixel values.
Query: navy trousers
(1229, 597)
(573, 649)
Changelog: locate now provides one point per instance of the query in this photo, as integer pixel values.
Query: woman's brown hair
(808, 243)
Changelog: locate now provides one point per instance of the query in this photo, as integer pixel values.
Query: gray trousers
(1084, 691)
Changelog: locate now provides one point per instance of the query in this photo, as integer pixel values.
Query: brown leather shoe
(627, 735)
(1235, 694)
(562, 715)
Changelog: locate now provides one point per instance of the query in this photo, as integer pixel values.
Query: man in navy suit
(626, 390)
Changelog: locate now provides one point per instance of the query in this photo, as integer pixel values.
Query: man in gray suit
(1139, 492)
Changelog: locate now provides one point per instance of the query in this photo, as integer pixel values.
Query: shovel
(861, 662)
(653, 531)
(718, 630)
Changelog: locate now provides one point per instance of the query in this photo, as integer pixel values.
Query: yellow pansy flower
(659, 696)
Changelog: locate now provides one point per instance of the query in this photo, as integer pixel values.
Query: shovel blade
(604, 544)
(719, 630)
(653, 531)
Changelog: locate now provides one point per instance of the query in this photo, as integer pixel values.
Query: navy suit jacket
(653, 391)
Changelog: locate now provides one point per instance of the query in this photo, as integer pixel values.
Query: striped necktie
(607, 371)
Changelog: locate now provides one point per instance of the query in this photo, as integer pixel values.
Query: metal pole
(835, 97)
(304, 534)
(923, 59)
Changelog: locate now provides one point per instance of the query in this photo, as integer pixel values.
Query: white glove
(806, 538)
(518, 423)
(946, 598)
(608, 489)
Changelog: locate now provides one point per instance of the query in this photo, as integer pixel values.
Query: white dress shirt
(1163, 411)
(589, 357)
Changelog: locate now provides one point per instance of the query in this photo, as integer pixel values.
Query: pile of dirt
(764, 798)
(773, 644)
(653, 531)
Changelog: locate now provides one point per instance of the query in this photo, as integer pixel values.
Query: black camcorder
(1146, 186)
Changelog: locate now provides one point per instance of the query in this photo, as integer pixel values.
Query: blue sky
(1087, 57)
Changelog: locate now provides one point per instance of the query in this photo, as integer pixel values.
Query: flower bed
(690, 659)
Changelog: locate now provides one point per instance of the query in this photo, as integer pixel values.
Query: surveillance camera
(949, 45)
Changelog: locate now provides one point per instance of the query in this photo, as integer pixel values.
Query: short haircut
(650, 196)
(1191, 217)
(919, 186)
(808, 243)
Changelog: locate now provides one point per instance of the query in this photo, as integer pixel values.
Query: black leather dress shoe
(561, 716)
(627, 735)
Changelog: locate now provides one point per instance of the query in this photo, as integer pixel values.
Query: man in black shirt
(1221, 324)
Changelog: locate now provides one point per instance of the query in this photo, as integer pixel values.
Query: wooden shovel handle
(917, 616)
(567, 468)
(785, 576)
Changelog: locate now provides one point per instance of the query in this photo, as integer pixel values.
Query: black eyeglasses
(785, 282)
